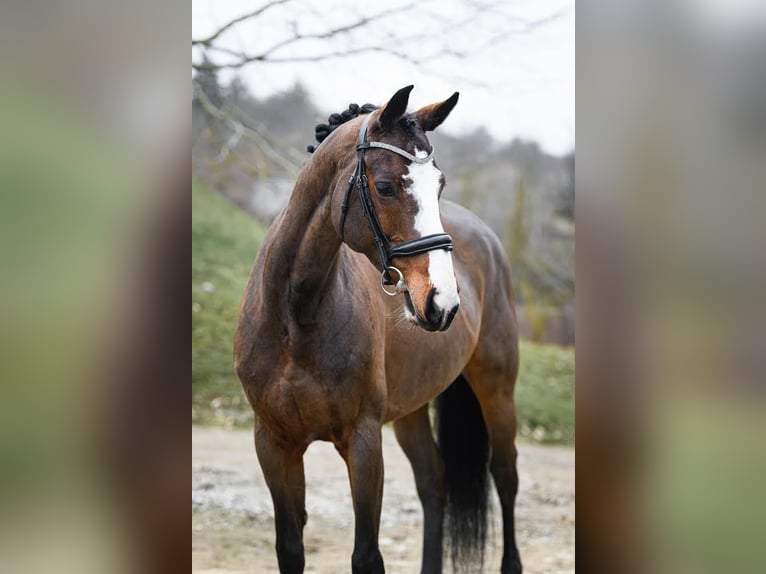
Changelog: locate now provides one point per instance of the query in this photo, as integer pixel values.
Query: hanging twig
(254, 14)
(252, 133)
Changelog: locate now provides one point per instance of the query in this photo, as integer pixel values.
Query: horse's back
(479, 256)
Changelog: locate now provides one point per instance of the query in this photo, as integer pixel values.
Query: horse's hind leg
(501, 424)
(283, 471)
(416, 439)
(495, 396)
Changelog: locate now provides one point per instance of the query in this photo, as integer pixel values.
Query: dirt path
(233, 519)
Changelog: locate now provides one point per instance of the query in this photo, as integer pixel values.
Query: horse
(369, 298)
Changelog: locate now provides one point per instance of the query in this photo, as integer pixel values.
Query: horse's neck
(303, 258)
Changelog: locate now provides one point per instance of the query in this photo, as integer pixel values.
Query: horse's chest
(321, 354)
(300, 405)
(315, 389)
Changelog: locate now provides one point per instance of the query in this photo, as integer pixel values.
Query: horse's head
(404, 196)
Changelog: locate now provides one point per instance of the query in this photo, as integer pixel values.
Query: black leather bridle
(386, 250)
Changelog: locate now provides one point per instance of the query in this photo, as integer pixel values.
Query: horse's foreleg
(364, 458)
(283, 471)
(416, 439)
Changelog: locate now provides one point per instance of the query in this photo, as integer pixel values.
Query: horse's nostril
(433, 314)
(450, 317)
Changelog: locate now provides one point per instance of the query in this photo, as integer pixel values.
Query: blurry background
(671, 347)
(94, 201)
(263, 77)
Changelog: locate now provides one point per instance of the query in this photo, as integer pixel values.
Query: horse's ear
(395, 108)
(431, 117)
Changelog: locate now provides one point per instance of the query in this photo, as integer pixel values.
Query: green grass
(225, 241)
(545, 393)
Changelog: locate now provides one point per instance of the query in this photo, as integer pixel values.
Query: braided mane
(321, 131)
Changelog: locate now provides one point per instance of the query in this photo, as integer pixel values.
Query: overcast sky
(517, 81)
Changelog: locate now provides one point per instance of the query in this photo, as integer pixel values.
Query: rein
(387, 251)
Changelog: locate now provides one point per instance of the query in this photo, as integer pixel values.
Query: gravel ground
(232, 518)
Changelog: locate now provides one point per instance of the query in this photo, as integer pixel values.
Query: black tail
(464, 446)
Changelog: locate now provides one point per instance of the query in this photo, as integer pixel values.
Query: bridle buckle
(385, 280)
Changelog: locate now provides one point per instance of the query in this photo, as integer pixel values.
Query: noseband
(386, 250)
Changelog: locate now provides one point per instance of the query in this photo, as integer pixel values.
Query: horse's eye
(385, 189)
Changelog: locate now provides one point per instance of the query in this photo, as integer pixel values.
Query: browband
(401, 152)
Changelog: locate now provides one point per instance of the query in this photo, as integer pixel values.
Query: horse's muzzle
(437, 319)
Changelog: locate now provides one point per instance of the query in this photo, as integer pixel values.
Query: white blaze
(424, 188)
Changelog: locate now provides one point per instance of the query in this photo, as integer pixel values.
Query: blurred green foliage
(67, 209)
(707, 459)
(225, 241)
(74, 204)
(545, 393)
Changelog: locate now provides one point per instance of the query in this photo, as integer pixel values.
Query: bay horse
(324, 354)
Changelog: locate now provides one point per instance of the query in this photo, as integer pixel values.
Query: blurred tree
(543, 269)
(535, 311)
(567, 197)
(207, 80)
(518, 223)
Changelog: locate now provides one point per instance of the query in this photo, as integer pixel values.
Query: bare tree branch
(292, 59)
(231, 143)
(390, 42)
(294, 38)
(239, 127)
(346, 54)
(254, 14)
